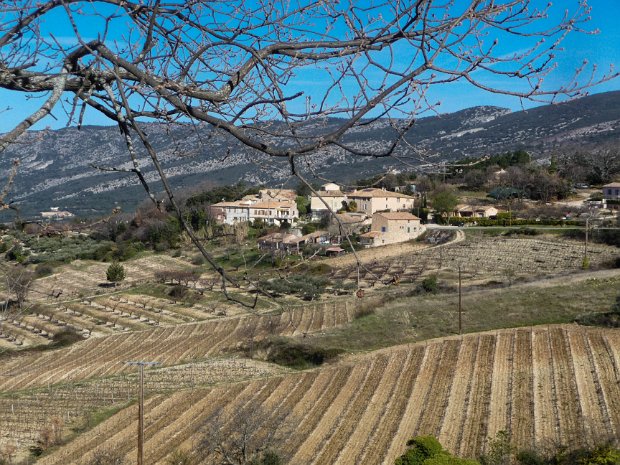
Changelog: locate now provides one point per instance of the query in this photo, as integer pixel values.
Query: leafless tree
(261, 71)
(17, 282)
(245, 436)
(604, 163)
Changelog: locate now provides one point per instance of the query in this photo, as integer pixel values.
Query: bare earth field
(544, 384)
(483, 258)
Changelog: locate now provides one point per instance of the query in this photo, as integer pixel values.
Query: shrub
(107, 457)
(17, 253)
(66, 338)
(363, 311)
(293, 354)
(429, 284)
(178, 292)
(426, 450)
(198, 260)
(43, 269)
(183, 294)
(115, 273)
(585, 263)
(307, 287)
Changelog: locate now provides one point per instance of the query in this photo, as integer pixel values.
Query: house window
(383, 228)
(408, 229)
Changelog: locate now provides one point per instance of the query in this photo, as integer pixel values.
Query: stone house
(372, 200)
(250, 209)
(274, 212)
(475, 211)
(392, 228)
(611, 195)
(231, 212)
(331, 195)
(611, 191)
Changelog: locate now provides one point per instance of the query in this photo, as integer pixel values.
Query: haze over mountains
(57, 170)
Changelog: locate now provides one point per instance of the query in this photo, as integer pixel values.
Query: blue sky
(602, 49)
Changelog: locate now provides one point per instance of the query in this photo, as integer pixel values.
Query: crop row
(25, 414)
(484, 255)
(462, 389)
(103, 356)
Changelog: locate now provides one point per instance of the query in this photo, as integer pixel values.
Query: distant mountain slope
(57, 166)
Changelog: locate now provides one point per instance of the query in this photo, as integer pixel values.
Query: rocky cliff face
(58, 167)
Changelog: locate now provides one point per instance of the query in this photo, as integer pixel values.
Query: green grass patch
(425, 316)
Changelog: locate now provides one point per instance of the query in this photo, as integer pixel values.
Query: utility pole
(141, 365)
(585, 251)
(460, 306)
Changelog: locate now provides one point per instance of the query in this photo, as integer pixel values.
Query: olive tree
(264, 72)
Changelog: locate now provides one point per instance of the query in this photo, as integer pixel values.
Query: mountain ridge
(57, 169)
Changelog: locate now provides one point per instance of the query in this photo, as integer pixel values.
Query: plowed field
(556, 383)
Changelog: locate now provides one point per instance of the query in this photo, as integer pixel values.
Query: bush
(585, 263)
(198, 260)
(43, 269)
(107, 457)
(602, 454)
(178, 292)
(363, 311)
(267, 458)
(307, 287)
(426, 450)
(66, 338)
(115, 273)
(429, 284)
(293, 354)
(17, 253)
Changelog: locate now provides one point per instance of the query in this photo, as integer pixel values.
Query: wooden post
(141, 366)
(585, 252)
(460, 306)
(141, 417)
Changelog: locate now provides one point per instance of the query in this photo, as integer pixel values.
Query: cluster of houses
(273, 206)
(387, 213)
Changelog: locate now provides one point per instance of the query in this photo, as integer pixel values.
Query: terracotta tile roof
(373, 192)
(238, 204)
(329, 194)
(398, 216)
(273, 204)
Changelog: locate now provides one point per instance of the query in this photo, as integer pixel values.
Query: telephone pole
(585, 251)
(460, 307)
(141, 364)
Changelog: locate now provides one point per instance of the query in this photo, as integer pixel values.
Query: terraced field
(558, 384)
(25, 414)
(483, 258)
(545, 384)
